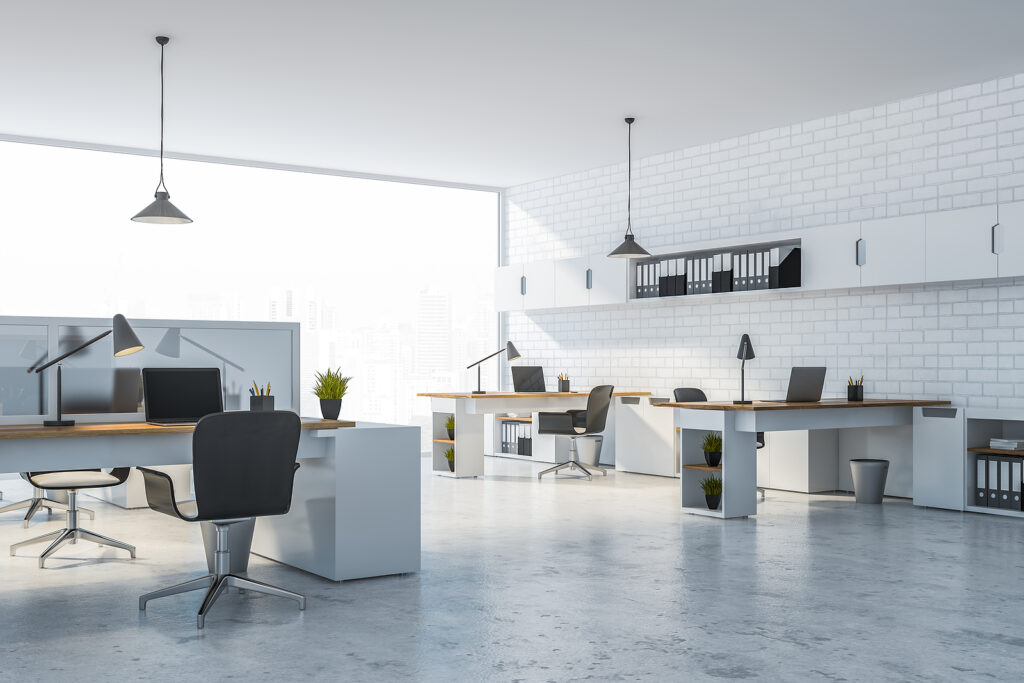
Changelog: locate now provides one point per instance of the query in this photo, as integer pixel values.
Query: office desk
(355, 507)
(471, 428)
(739, 425)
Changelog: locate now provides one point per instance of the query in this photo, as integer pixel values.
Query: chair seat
(75, 479)
(188, 508)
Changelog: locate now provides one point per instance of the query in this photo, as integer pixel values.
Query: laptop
(805, 385)
(177, 396)
(528, 378)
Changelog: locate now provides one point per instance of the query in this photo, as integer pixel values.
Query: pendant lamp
(161, 210)
(629, 248)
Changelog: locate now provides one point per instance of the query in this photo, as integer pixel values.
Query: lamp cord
(161, 183)
(629, 178)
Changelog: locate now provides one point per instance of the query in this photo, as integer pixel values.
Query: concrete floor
(558, 580)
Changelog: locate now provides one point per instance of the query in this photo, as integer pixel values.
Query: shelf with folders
(515, 436)
(765, 266)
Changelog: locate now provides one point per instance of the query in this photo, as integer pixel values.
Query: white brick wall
(954, 148)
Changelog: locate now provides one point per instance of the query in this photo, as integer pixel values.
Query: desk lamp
(125, 343)
(512, 354)
(745, 353)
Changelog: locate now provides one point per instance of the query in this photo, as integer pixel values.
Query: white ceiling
(475, 91)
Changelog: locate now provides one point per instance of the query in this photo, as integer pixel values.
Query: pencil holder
(563, 385)
(261, 403)
(855, 392)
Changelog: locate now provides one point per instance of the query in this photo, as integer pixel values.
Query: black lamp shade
(125, 341)
(629, 249)
(511, 353)
(746, 350)
(161, 211)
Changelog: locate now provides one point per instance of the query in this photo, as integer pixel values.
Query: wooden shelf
(995, 511)
(506, 418)
(451, 441)
(703, 468)
(995, 451)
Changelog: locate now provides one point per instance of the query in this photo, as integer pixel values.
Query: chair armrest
(160, 492)
(554, 423)
(579, 418)
(121, 473)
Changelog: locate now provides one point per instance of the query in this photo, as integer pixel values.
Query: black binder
(789, 267)
(680, 276)
(1016, 481)
(981, 487)
(727, 272)
(716, 274)
(993, 481)
(691, 276)
(1005, 483)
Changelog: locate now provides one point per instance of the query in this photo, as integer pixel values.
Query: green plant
(331, 384)
(450, 422)
(712, 486)
(449, 454)
(712, 442)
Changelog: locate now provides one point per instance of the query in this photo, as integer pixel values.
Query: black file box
(787, 273)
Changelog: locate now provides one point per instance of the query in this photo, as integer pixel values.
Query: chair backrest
(598, 402)
(689, 395)
(243, 463)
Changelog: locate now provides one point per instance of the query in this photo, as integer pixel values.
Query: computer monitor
(528, 378)
(805, 384)
(181, 395)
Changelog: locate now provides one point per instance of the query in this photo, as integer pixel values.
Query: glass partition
(22, 347)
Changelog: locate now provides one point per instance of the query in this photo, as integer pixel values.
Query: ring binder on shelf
(981, 486)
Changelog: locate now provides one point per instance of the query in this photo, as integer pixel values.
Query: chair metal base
(573, 463)
(215, 586)
(218, 582)
(70, 534)
(35, 504)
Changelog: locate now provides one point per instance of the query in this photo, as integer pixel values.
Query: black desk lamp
(512, 354)
(125, 343)
(745, 353)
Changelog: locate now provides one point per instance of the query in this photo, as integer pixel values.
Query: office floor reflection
(554, 580)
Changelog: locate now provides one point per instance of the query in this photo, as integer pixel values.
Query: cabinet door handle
(862, 252)
(994, 249)
(522, 285)
(590, 278)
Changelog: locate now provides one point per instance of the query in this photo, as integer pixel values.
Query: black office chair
(577, 423)
(72, 481)
(243, 466)
(692, 394)
(38, 501)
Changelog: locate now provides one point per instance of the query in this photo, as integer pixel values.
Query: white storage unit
(591, 281)
(939, 457)
(894, 251)
(829, 257)
(509, 286)
(540, 285)
(960, 244)
(644, 436)
(1010, 239)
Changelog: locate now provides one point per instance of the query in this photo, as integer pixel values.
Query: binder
(981, 487)
(727, 272)
(766, 258)
(691, 277)
(751, 271)
(708, 274)
(789, 267)
(639, 281)
(773, 269)
(1016, 477)
(761, 276)
(716, 274)
(652, 279)
(1005, 485)
(664, 282)
(680, 276)
(736, 284)
(993, 482)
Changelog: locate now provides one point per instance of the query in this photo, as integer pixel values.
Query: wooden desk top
(531, 394)
(38, 431)
(804, 405)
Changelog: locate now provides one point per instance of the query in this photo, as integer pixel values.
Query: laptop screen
(528, 378)
(181, 394)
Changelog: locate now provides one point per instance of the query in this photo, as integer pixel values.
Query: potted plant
(449, 455)
(330, 387)
(712, 487)
(449, 424)
(712, 446)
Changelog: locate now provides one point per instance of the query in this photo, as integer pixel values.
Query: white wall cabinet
(1010, 239)
(609, 281)
(960, 244)
(828, 257)
(508, 283)
(894, 251)
(571, 282)
(540, 285)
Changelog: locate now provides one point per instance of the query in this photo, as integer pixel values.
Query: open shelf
(703, 468)
(507, 418)
(451, 441)
(995, 451)
(703, 511)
